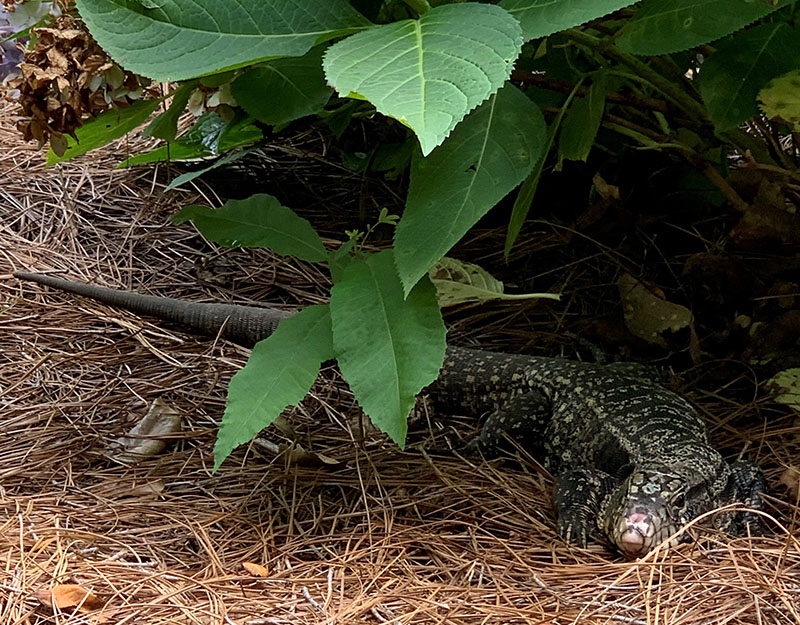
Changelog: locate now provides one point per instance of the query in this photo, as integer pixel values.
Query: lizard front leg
(578, 495)
(745, 486)
(522, 419)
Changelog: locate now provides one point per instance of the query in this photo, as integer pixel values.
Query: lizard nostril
(634, 529)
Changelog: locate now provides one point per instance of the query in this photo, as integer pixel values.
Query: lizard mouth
(635, 534)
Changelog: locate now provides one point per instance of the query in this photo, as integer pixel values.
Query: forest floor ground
(367, 534)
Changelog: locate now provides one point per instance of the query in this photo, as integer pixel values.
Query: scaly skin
(631, 459)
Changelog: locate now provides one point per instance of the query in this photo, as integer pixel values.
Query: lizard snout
(635, 533)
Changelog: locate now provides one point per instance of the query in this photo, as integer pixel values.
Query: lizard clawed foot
(749, 524)
(577, 495)
(574, 528)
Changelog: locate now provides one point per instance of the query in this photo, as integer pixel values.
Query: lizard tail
(245, 325)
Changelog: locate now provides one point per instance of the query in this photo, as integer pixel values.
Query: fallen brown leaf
(64, 596)
(647, 314)
(256, 570)
(149, 437)
(155, 487)
(791, 479)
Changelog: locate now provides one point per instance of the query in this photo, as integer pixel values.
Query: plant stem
(670, 90)
(652, 141)
(562, 86)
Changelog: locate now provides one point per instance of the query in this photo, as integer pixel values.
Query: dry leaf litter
(377, 536)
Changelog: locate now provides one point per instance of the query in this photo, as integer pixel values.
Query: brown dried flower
(66, 80)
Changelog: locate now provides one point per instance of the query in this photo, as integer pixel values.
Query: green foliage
(210, 136)
(258, 221)
(191, 175)
(781, 98)
(165, 126)
(358, 238)
(339, 259)
(428, 73)
(582, 123)
(388, 347)
(299, 80)
(679, 76)
(786, 386)
(179, 39)
(666, 26)
(279, 373)
(522, 203)
(489, 154)
(741, 66)
(104, 128)
(540, 18)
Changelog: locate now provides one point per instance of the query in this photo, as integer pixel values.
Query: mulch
(381, 536)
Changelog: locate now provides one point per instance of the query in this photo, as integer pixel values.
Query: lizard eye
(679, 501)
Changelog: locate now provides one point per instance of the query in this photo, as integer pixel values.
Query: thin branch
(670, 90)
(562, 86)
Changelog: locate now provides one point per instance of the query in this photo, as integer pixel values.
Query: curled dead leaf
(149, 437)
(648, 315)
(606, 191)
(791, 479)
(457, 282)
(304, 458)
(155, 487)
(64, 596)
(256, 570)
(298, 455)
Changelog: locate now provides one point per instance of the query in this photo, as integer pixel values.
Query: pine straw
(386, 537)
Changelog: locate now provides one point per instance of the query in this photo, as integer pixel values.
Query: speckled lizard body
(631, 459)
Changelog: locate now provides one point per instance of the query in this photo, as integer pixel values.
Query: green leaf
(282, 90)
(209, 136)
(393, 158)
(279, 373)
(428, 73)
(220, 162)
(666, 26)
(339, 259)
(457, 282)
(165, 126)
(526, 193)
(582, 123)
(183, 39)
(540, 18)
(731, 77)
(105, 128)
(173, 151)
(258, 221)
(489, 153)
(215, 81)
(340, 115)
(781, 98)
(786, 385)
(388, 348)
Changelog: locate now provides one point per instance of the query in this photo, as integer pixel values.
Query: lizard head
(653, 503)
(646, 509)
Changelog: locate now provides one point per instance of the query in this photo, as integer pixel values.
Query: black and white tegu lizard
(631, 459)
